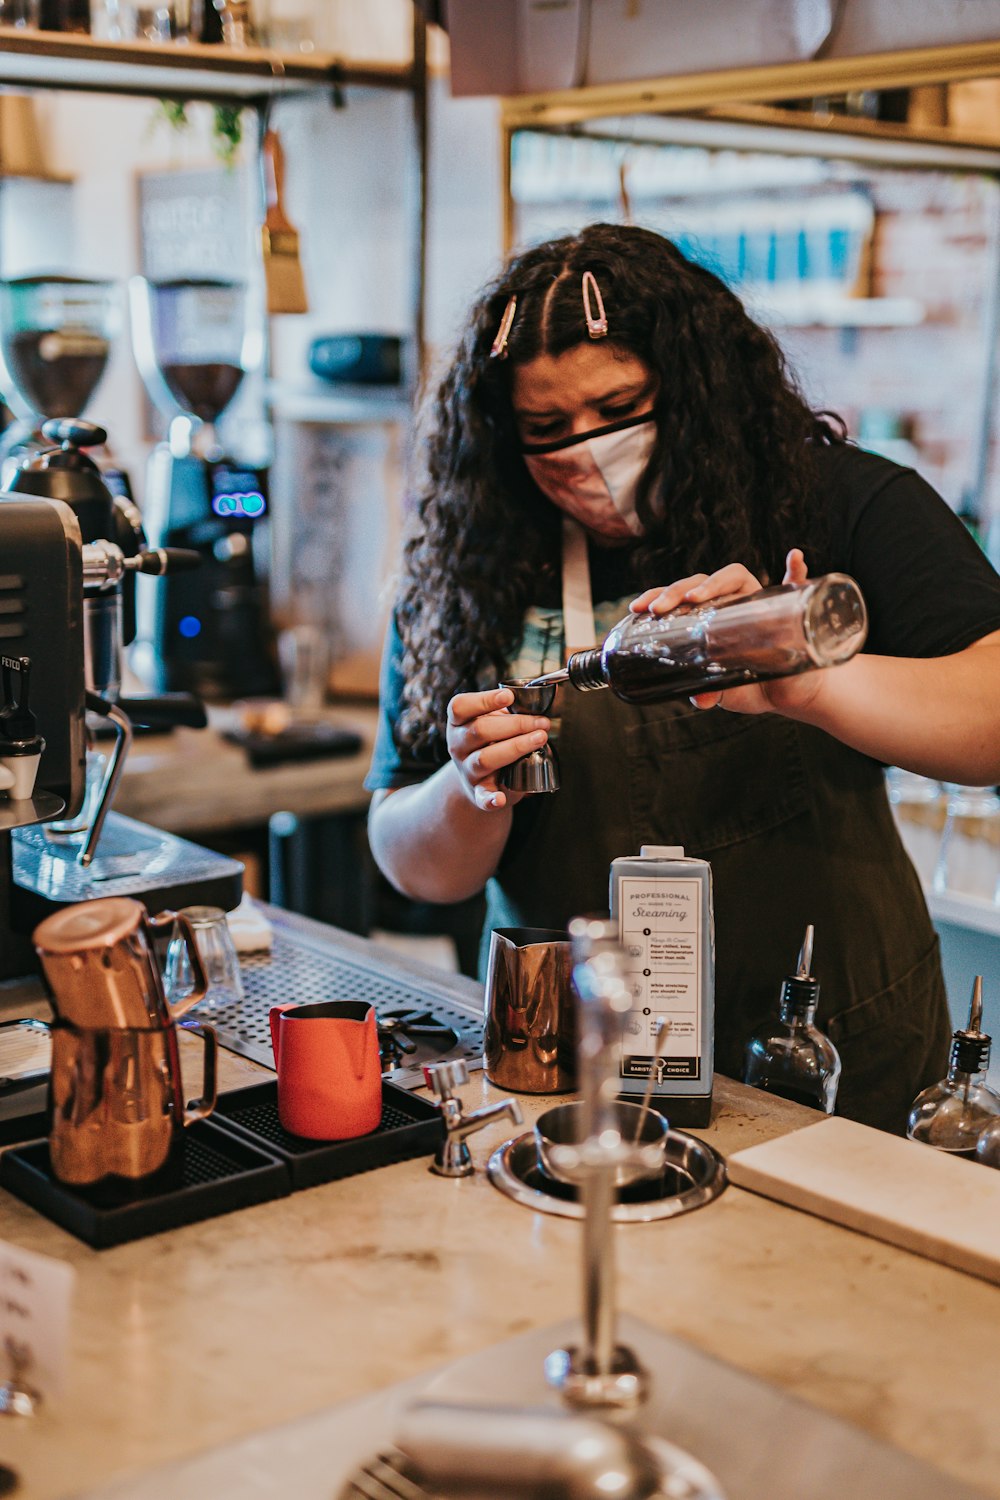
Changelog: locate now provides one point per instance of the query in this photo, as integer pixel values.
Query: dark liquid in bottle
(790, 1092)
(648, 679)
(204, 390)
(65, 15)
(59, 387)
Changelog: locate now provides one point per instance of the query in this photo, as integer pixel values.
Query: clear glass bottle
(952, 1115)
(988, 1144)
(701, 648)
(790, 1056)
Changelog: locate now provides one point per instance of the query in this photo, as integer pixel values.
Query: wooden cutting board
(936, 1205)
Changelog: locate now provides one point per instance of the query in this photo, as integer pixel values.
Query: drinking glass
(908, 787)
(218, 954)
(239, 25)
(286, 25)
(304, 656)
(968, 859)
(113, 20)
(166, 20)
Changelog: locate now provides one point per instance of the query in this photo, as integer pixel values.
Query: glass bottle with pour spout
(724, 643)
(790, 1056)
(953, 1114)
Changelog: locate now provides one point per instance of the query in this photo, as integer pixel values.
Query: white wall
(349, 188)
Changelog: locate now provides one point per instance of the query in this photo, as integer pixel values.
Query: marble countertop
(212, 1332)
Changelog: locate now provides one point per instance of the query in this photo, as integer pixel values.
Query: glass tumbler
(968, 861)
(218, 954)
(163, 20)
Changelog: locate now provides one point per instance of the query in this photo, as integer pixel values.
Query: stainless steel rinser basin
(693, 1174)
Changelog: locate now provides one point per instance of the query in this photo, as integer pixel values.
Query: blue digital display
(238, 494)
(248, 505)
(189, 627)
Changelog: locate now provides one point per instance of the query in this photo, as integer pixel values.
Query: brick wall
(935, 242)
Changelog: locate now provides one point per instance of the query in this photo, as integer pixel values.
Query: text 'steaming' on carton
(662, 902)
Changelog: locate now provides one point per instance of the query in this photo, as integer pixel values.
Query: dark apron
(797, 828)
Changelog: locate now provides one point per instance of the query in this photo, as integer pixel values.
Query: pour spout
(804, 970)
(976, 1006)
(561, 674)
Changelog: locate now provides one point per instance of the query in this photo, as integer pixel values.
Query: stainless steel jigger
(538, 771)
(600, 1371)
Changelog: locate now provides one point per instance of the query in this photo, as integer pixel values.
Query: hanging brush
(286, 287)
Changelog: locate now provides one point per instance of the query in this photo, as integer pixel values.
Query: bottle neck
(796, 1014)
(586, 670)
(798, 1001)
(970, 1057)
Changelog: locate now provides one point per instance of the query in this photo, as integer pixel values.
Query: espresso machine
(70, 549)
(55, 338)
(207, 632)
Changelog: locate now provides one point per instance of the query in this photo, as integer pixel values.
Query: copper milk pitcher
(116, 1095)
(529, 1036)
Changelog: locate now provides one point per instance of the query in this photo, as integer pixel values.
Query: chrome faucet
(453, 1158)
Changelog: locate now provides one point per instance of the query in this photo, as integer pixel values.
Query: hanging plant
(227, 125)
(172, 113)
(227, 130)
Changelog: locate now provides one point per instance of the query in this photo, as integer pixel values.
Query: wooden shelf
(854, 126)
(58, 60)
(761, 84)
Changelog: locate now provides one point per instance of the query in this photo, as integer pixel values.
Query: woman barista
(612, 411)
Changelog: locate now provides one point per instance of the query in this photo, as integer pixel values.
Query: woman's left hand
(758, 698)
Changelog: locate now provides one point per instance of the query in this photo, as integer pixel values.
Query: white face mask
(595, 478)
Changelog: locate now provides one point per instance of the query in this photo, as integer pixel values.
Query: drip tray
(694, 1174)
(303, 968)
(392, 1476)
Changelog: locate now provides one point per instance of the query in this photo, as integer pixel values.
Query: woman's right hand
(483, 737)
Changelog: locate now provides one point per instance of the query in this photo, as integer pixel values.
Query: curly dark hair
(730, 478)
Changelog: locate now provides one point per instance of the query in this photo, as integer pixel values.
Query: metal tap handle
(452, 1157)
(442, 1078)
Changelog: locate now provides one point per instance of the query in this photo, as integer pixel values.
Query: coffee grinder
(55, 339)
(207, 632)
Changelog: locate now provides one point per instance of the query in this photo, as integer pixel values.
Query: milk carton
(662, 902)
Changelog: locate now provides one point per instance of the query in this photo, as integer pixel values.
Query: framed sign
(196, 223)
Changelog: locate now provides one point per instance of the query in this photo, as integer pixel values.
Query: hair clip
(596, 327)
(498, 349)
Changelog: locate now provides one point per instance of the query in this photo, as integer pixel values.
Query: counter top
(195, 780)
(206, 1334)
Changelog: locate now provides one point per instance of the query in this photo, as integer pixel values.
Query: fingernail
(537, 737)
(539, 723)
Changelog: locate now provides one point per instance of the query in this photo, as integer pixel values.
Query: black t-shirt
(929, 589)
